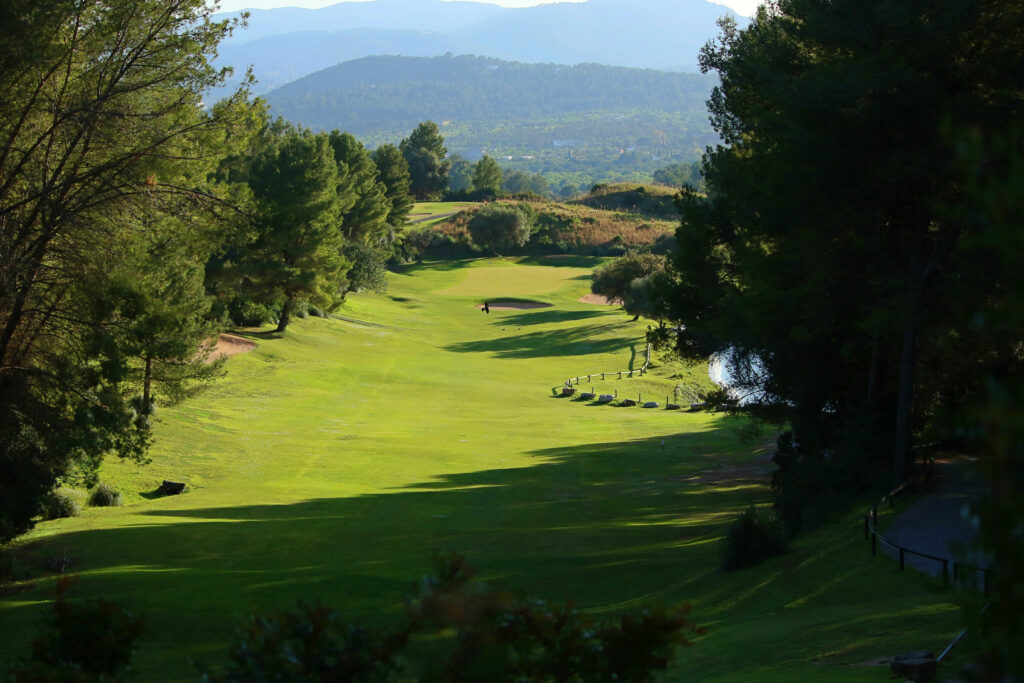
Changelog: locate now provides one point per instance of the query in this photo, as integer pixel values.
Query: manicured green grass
(332, 462)
(425, 214)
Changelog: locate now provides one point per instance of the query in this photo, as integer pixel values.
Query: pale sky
(743, 7)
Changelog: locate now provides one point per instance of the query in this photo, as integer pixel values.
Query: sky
(743, 7)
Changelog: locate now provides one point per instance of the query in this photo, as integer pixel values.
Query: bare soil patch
(229, 345)
(599, 299)
(513, 305)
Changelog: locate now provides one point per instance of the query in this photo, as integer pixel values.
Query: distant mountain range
(287, 43)
(546, 114)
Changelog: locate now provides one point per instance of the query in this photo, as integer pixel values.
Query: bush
(104, 495)
(754, 536)
(92, 640)
(248, 313)
(58, 504)
(499, 227)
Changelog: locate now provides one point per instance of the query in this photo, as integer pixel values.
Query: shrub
(754, 536)
(248, 313)
(104, 495)
(58, 504)
(499, 227)
(92, 640)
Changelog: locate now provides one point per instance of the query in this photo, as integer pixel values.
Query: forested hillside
(537, 117)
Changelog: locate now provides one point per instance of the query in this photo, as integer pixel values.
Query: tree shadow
(604, 523)
(577, 341)
(545, 317)
(564, 261)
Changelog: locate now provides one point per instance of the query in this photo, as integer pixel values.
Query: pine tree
(365, 221)
(393, 171)
(425, 153)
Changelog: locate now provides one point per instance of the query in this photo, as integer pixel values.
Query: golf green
(331, 462)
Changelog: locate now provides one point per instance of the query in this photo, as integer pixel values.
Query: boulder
(672, 406)
(587, 396)
(606, 398)
(651, 404)
(698, 406)
(627, 402)
(171, 488)
(568, 391)
(915, 668)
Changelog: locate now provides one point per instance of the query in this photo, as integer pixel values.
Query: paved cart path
(937, 523)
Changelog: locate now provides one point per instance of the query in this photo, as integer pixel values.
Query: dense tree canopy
(425, 153)
(822, 257)
(364, 215)
(102, 137)
(393, 171)
(487, 175)
(296, 255)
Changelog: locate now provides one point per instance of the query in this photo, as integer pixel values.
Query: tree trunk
(286, 314)
(147, 383)
(905, 402)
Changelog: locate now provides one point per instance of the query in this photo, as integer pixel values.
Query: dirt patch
(513, 305)
(599, 299)
(757, 472)
(229, 345)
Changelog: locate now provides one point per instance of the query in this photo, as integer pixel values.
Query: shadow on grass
(547, 317)
(613, 525)
(577, 341)
(565, 260)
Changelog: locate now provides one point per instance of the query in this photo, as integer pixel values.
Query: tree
(460, 175)
(368, 271)
(499, 227)
(487, 175)
(425, 153)
(822, 242)
(101, 136)
(393, 171)
(364, 219)
(296, 254)
(677, 175)
(520, 182)
(630, 279)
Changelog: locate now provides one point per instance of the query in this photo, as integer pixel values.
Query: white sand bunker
(513, 305)
(599, 300)
(229, 345)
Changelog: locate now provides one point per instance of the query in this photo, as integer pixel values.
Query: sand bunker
(599, 299)
(513, 305)
(229, 345)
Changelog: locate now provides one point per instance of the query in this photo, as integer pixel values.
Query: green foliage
(498, 636)
(460, 175)
(365, 220)
(487, 176)
(499, 227)
(646, 200)
(118, 151)
(678, 175)
(104, 495)
(822, 241)
(296, 253)
(368, 271)
(425, 153)
(393, 171)
(81, 642)
(754, 536)
(629, 279)
(58, 504)
(245, 312)
(520, 183)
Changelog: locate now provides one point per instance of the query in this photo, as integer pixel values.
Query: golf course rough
(333, 461)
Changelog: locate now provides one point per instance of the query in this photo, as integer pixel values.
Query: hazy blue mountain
(287, 43)
(281, 59)
(659, 34)
(585, 121)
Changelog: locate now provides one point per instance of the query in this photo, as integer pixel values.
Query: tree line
(855, 257)
(136, 223)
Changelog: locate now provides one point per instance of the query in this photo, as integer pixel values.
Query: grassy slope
(331, 463)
